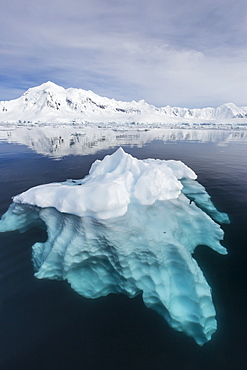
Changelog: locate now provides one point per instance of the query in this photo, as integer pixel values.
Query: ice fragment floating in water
(129, 227)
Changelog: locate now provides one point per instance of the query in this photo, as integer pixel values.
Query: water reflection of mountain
(61, 141)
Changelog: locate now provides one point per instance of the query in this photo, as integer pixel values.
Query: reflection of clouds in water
(61, 141)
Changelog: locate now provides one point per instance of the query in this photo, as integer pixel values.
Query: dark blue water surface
(46, 325)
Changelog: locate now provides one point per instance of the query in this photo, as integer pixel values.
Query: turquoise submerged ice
(129, 227)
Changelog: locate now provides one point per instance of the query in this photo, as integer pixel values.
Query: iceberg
(130, 226)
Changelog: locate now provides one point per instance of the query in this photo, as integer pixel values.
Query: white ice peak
(112, 184)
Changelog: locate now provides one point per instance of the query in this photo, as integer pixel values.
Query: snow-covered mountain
(50, 103)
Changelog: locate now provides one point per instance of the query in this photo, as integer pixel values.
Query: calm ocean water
(46, 325)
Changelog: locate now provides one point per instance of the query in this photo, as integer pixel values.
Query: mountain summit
(50, 103)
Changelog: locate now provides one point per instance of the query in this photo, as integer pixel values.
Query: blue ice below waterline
(129, 227)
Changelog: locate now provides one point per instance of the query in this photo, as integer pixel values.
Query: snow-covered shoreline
(212, 125)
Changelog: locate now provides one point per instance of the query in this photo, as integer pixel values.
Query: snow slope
(50, 103)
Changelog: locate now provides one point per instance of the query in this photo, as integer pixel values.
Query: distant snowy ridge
(50, 103)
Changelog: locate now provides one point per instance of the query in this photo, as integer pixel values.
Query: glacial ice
(129, 227)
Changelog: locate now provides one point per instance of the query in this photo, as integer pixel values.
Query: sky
(184, 53)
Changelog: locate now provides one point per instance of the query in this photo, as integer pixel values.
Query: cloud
(182, 53)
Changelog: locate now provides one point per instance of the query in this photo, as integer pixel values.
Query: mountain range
(50, 103)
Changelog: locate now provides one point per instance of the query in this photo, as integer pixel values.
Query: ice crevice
(129, 227)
